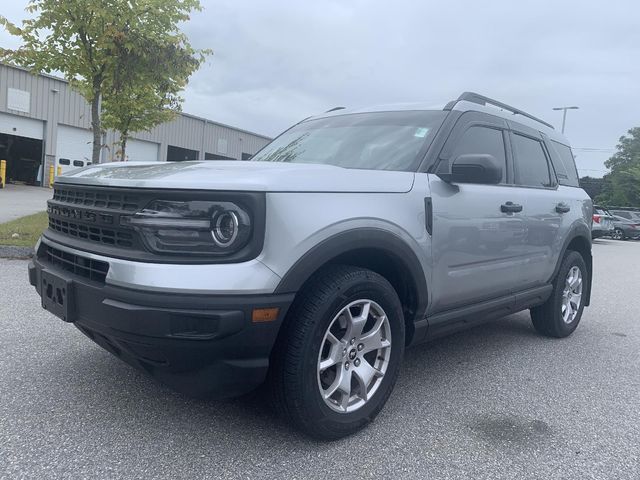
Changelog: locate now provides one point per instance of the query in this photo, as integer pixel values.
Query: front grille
(93, 215)
(89, 232)
(95, 270)
(92, 198)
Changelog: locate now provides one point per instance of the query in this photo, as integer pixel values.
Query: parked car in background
(631, 215)
(624, 229)
(602, 224)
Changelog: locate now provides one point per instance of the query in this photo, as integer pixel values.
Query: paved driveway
(496, 402)
(20, 200)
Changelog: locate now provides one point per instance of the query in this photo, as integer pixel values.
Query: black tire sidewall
(317, 411)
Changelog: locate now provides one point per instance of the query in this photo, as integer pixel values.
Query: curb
(10, 251)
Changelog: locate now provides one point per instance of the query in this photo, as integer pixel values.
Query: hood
(240, 176)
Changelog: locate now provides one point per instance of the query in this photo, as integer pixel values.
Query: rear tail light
(596, 218)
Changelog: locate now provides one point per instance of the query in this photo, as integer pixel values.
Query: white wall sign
(18, 100)
(222, 145)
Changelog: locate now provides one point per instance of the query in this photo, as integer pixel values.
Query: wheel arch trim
(352, 240)
(578, 231)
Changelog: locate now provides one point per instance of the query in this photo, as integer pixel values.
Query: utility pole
(564, 114)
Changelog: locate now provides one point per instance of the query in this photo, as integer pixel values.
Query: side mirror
(474, 168)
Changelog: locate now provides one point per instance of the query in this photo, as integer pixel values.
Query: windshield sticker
(421, 132)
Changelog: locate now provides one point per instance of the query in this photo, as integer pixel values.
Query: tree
(592, 185)
(628, 154)
(83, 38)
(140, 94)
(621, 187)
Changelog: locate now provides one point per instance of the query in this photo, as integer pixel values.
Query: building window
(215, 156)
(177, 154)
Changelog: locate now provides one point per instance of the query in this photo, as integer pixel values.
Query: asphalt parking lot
(494, 402)
(23, 200)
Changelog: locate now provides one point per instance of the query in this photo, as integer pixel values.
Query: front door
(477, 247)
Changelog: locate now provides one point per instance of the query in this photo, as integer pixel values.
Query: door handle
(562, 208)
(510, 207)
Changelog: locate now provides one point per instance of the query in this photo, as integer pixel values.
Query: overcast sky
(279, 61)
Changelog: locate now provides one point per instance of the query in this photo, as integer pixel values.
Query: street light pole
(564, 114)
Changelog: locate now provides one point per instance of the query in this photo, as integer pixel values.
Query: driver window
(478, 139)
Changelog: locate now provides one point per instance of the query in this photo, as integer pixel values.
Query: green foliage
(130, 54)
(25, 231)
(621, 187)
(140, 94)
(592, 185)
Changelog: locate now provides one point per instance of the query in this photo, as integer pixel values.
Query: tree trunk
(95, 120)
(124, 136)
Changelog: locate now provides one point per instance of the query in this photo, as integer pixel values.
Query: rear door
(548, 206)
(475, 246)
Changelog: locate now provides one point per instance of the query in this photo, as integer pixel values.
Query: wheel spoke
(335, 353)
(342, 382)
(575, 301)
(356, 324)
(344, 386)
(364, 374)
(344, 401)
(373, 339)
(576, 280)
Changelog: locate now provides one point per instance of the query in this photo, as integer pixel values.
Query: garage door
(142, 151)
(73, 147)
(21, 126)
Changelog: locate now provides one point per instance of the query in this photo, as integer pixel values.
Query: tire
(550, 318)
(298, 384)
(618, 234)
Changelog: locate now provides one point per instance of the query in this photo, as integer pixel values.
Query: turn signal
(264, 314)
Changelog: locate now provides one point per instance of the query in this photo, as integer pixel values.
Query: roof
(468, 101)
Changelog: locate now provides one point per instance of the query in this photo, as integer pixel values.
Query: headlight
(193, 227)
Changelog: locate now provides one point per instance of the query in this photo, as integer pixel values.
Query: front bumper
(201, 345)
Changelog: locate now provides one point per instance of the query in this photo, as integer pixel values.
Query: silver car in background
(602, 224)
(624, 229)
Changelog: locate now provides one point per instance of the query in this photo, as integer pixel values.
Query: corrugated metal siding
(53, 101)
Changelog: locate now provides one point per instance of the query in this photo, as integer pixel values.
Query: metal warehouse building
(44, 122)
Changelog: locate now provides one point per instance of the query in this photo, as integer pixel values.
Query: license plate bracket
(57, 295)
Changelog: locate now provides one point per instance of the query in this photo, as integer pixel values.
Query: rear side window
(78, 163)
(482, 140)
(64, 161)
(531, 166)
(564, 164)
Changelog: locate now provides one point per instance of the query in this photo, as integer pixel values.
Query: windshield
(376, 141)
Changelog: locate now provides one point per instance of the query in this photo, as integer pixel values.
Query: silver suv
(351, 236)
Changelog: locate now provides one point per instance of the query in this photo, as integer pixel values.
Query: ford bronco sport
(309, 269)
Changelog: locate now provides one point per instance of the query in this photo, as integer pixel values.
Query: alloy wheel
(354, 356)
(572, 295)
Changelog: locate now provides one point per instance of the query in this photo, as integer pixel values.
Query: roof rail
(334, 109)
(482, 100)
